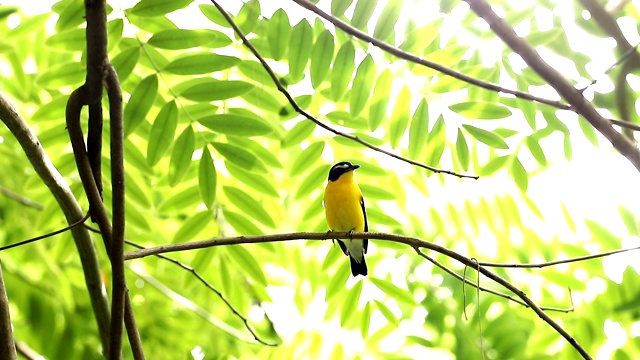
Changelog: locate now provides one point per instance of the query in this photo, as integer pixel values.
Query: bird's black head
(340, 168)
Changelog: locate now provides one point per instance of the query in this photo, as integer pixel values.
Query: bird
(345, 212)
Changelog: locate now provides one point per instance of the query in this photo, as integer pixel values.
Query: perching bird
(344, 208)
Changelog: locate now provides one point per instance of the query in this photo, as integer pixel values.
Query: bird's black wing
(365, 243)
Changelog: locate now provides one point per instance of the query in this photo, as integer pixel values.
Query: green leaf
(387, 21)
(263, 99)
(568, 218)
(69, 40)
(400, 116)
(588, 131)
(536, 150)
(349, 306)
(200, 63)
(362, 83)
(302, 41)
(462, 150)
(240, 157)
(247, 262)
(486, 137)
(321, 56)
(181, 155)
(519, 175)
(419, 129)
(481, 110)
(140, 103)
(70, 17)
(177, 39)
(65, 74)
(300, 132)
(207, 178)
(232, 124)
(249, 16)
(629, 219)
(213, 14)
(241, 224)
(336, 283)
(278, 34)
(248, 205)
(342, 70)
(380, 99)
(602, 235)
(312, 182)
(436, 142)
(158, 7)
(211, 89)
(193, 225)
(376, 192)
(366, 320)
(338, 7)
(390, 316)
(265, 155)
(253, 180)
(362, 13)
(125, 62)
(254, 71)
(568, 151)
(401, 295)
(162, 132)
(306, 158)
(496, 163)
(184, 201)
(135, 193)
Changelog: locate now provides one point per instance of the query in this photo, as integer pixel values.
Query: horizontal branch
(413, 242)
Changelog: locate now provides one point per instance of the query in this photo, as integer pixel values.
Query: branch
(418, 60)
(466, 281)
(212, 288)
(298, 109)
(7, 344)
(27, 352)
(20, 199)
(556, 262)
(60, 190)
(53, 233)
(554, 78)
(413, 242)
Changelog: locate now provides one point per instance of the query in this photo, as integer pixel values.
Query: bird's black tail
(358, 268)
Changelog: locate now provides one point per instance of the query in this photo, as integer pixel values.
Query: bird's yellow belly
(343, 209)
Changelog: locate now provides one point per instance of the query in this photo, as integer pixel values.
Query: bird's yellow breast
(342, 204)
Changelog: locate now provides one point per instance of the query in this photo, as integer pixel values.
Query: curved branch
(70, 207)
(413, 242)
(418, 60)
(300, 111)
(7, 343)
(554, 78)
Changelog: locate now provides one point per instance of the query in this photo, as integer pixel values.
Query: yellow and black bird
(344, 208)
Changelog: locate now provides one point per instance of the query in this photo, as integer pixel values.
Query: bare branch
(556, 262)
(554, 78)
(20, 199)
(53, 233)
(413, 242)
(7, 344)
(70, 207)
(418, 60)
(298, 109)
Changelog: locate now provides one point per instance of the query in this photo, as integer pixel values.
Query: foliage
(213, 150)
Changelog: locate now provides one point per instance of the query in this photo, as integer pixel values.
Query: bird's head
(340, 169)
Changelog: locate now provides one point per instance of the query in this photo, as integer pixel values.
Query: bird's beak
(354, 166)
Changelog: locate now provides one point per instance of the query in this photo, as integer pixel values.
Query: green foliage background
(214, 150)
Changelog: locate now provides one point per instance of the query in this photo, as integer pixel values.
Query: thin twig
(20, 199)
(556, 262)
(27, 352)
(212, 288)
(302, 112)
(490, 291)
(53, 233)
